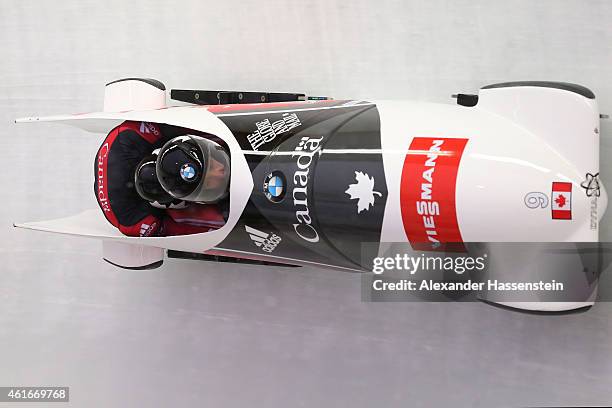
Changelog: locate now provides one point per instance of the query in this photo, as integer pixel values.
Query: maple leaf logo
(560, 200)
(363, 191)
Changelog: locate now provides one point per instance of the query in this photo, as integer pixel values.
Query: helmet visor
(193, 168)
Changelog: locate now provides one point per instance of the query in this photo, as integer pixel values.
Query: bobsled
(312, 179)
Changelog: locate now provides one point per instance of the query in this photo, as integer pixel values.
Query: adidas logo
(146, 229)
(148, 128)
(257, 236)
(265, 241)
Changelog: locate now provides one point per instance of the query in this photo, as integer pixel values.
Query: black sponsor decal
(536, 199)
(323, 188)
(593, 190)
(591, 185)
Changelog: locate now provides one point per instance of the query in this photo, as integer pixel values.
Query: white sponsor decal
(146, 127)
(146, 229)
(266, 131)
(363, 191)
(426, 207)
(143, 229)
(305, 152)
(267, 242)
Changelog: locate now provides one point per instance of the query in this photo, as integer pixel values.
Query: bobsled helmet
(148, 187)
(193, 168)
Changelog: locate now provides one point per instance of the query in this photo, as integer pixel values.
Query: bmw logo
(274, 186)
(188, 172)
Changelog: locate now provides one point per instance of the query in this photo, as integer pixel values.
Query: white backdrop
(238, 335)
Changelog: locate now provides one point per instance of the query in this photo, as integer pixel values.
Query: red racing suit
(114, 168)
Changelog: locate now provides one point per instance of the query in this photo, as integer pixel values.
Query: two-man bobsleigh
(309, 180)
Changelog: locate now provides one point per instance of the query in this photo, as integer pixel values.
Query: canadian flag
(561, 200)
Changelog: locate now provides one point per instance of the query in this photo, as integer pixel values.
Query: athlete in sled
(312, 180)
(149, 183)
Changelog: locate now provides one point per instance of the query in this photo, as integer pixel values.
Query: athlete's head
(193, 168)
(147, 184)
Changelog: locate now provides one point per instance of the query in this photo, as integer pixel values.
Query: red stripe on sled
(427, 195)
